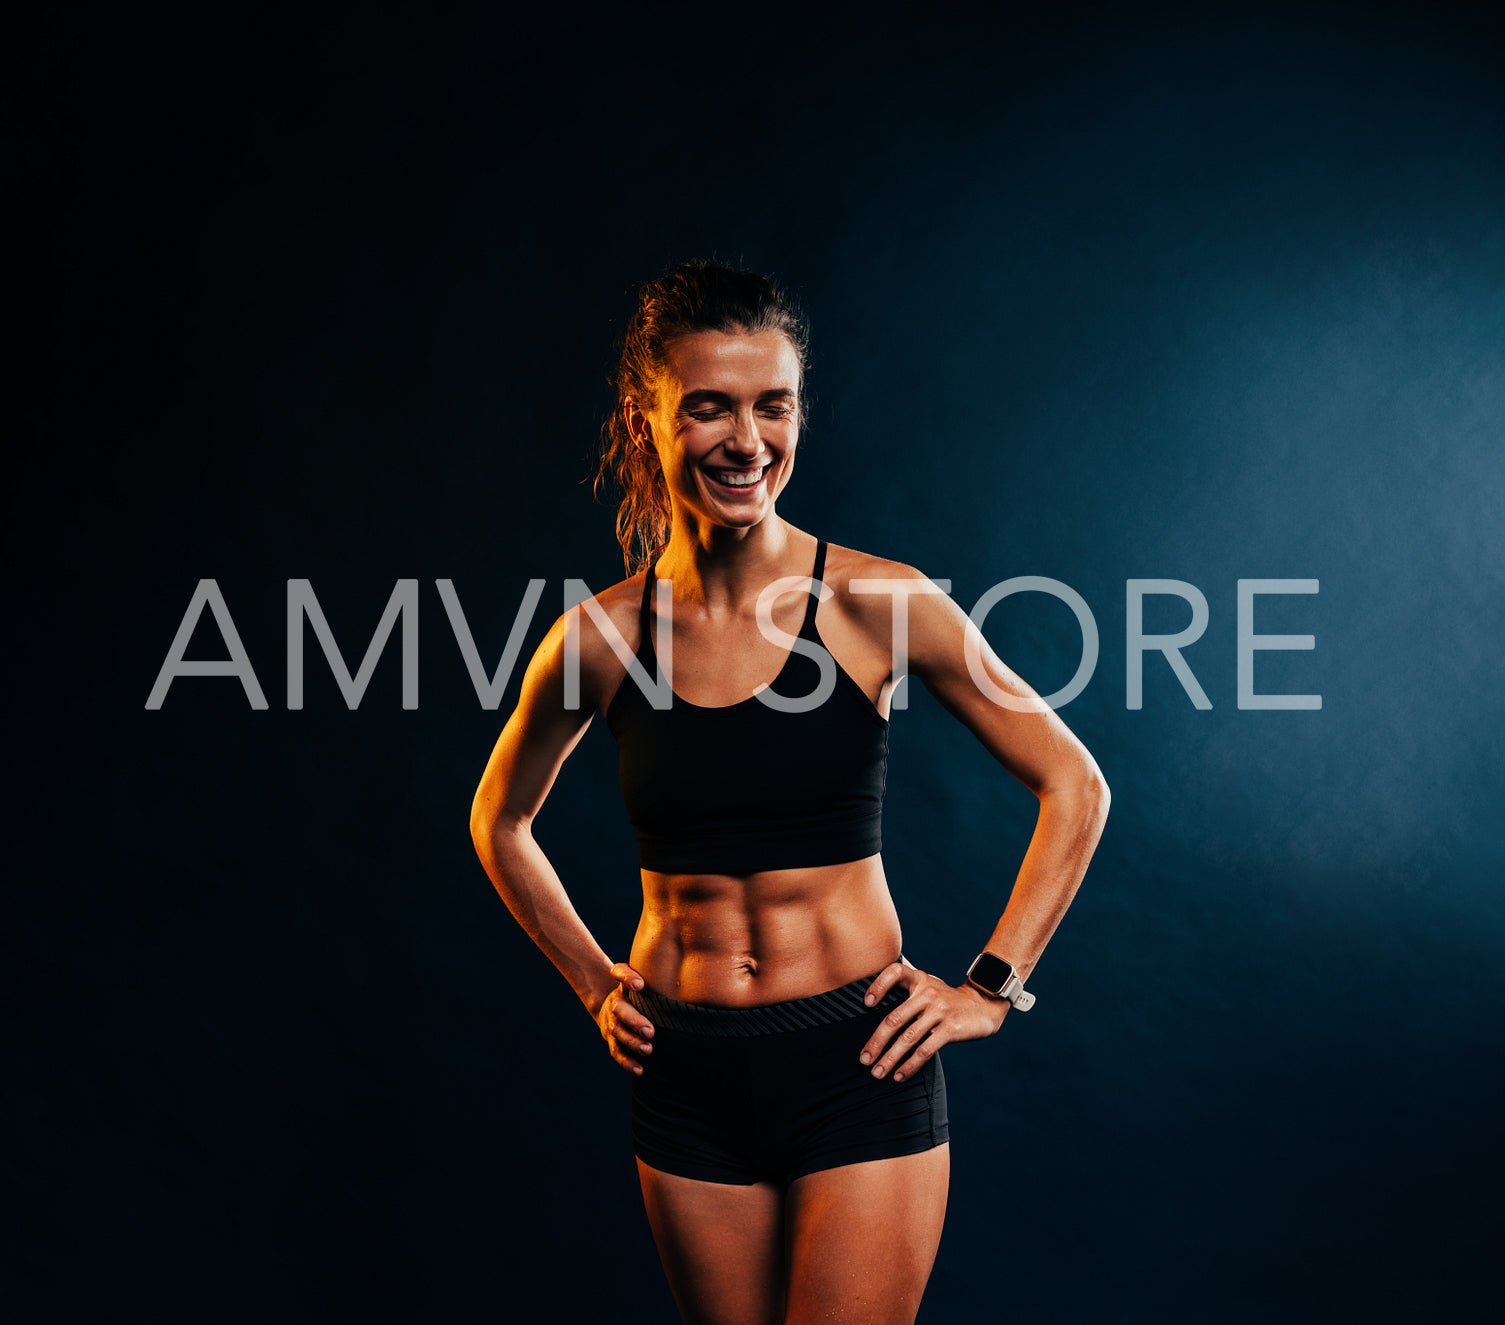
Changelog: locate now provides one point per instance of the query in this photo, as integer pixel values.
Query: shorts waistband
(795, 1015)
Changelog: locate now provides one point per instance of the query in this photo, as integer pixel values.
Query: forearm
(526, 881)
(1066, 834)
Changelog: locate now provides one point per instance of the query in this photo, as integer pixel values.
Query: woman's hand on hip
(627, 1031)
(934, 1014)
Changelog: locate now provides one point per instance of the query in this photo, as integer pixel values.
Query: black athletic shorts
(743, 1095)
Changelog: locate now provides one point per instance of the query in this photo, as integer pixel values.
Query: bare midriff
(741, 940)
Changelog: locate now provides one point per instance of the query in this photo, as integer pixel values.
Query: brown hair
(694, 296)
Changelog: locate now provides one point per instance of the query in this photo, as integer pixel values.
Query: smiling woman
(788, 1099)
(749, 324)
(733, 435)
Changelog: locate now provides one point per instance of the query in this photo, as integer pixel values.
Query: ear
(638, 427)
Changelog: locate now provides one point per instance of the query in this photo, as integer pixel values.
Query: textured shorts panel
(776, 1106)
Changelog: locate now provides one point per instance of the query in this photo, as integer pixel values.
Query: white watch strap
(1017, 995)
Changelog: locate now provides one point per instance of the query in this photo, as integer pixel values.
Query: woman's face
(726, 423)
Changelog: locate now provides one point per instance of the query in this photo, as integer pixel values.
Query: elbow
(1096, 797)
(1101, 796)
(488, 822)
(1085, 793)
(483, 820)
(482, 824)
(1092, 786)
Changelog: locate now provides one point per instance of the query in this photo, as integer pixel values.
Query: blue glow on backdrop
(1207, 293)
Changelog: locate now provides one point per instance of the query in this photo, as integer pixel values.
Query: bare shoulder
(845, 564)
(561, 689)
(604, 626)
(867, 587)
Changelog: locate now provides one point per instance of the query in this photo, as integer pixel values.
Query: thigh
(862, 1238)
(722, 1246)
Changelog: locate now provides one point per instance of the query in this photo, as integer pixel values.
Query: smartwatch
(996, 978)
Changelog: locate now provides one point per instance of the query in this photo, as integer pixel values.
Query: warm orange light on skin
(730, 401)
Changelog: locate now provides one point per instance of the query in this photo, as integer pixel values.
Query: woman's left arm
(1024, 734)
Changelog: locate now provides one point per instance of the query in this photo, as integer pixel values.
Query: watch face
(991, 972)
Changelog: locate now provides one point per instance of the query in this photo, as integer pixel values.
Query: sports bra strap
(645, 640)
(820, 566)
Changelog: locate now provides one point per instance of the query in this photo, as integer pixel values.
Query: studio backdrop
(1173, 339)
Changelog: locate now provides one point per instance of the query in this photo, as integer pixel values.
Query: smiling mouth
(737, 480)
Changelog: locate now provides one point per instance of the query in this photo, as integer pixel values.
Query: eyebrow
(705, 396)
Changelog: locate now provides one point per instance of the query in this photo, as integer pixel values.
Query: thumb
(624, 974)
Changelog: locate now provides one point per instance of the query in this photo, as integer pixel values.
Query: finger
(622, 1013)
(623, 973)
(891, 1026)
(633, 1021)
(634, 1040)
(922, 1053)
(886, 979)
(906, 1040)
(624, 1060)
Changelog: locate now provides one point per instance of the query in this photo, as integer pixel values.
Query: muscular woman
(788, 1098)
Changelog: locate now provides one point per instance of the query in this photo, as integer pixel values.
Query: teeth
(739, 478)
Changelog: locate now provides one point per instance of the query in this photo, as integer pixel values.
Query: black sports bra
(746, 787)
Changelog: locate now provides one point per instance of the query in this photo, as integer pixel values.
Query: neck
(723, 567)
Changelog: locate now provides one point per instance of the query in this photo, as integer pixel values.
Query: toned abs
(745, 940)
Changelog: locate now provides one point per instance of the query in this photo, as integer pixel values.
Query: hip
(778, 1090)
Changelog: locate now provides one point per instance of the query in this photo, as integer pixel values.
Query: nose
(744, 439)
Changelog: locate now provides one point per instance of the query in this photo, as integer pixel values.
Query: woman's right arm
(533, 746)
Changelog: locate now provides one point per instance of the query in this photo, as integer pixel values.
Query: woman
(788, 1103)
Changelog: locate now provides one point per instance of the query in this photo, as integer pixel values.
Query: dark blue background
(1098, 293)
